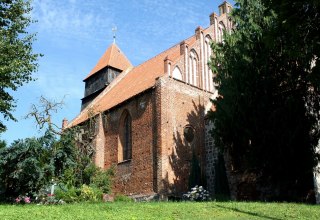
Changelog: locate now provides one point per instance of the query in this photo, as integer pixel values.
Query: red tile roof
(113, 57)
(131, 83)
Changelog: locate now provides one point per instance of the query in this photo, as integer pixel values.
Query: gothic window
(207, 71)
(221, 29)
(193, 68)
(177, 73)
(125, 137)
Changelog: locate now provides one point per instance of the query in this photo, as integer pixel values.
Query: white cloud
(71, 19)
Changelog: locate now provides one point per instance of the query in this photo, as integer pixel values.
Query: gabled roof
(131, 83)
(113, 57)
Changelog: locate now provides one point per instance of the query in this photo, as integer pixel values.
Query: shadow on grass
(248, 213)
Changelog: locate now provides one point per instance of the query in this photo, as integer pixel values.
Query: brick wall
(99, 143)
(181, 105)
(161, 157)
(134, 176)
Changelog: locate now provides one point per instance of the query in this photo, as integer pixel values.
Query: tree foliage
(3, 144)
(24, 167)
(17, 59)
(28, 166)
(267, 113)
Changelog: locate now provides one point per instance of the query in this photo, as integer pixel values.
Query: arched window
(177, 73)
(188, 133)
(125, 137)
(207, 70)
(193, 68)
(221, 28)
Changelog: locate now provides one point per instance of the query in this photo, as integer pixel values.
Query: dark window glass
(188, 133)
(127, 148)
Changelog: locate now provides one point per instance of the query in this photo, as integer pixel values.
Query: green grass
(162, 210)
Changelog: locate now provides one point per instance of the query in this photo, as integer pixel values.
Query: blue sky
(73, 34)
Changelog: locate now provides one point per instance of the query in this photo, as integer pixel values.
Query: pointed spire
(112, 57)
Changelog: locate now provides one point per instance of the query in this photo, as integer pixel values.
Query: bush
(83, 194)
(45, 197)
(28, 166)
(24, 168)
(69, 195)
(23, 200)
(102, 179)
(122, 198)
(90, 194)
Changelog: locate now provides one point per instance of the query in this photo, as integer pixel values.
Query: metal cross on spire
(114, 30)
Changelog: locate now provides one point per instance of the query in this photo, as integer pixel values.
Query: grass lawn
(162, 210)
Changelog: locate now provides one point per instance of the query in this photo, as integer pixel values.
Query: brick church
(150, 119)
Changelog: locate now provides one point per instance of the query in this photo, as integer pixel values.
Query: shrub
(122, 198)
(102, 179)
(45, 197)
(28, 166)
(90, 194)
(68, 177)
(24, 168)
(83, 194)
(197, 193)
(69, 195)
(23, 200)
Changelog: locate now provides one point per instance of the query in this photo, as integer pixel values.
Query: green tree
(24, 168)
(3, 144)
(27, 167)
(299, 20)
(17, 60)
(267, 113)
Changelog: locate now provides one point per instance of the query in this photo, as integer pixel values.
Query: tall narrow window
(193, 68)
(190, 69)
(208, 73)
(127, 134)
(220, 31)
(195, 72)
(125, 138)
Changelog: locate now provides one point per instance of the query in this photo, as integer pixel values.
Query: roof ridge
(111, 50)
(161, 53)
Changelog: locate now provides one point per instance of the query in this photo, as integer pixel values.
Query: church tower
(110, 65)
